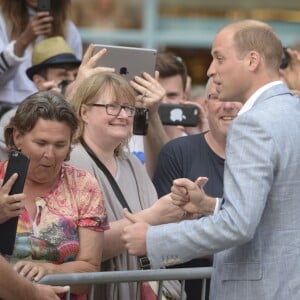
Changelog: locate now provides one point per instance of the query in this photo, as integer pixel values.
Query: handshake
(189, 196)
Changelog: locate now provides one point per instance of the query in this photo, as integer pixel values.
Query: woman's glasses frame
(115, 109)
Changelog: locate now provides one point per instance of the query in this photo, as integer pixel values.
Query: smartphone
(17, 163)
(44, 5)
(179, 114)
(140, 121)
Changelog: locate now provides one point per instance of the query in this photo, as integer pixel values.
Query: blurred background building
(186, 27)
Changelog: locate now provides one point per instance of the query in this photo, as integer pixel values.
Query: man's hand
(134, 236)
(203, 121)
(47, 85)
(191, 197)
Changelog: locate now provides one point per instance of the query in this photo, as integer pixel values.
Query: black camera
(285, 58)
(140, 121)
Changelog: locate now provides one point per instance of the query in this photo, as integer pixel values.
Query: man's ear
(254, 60)
(38, 80)
(204, 105)
(188, 86)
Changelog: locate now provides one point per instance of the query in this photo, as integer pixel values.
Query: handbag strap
(110, 178)
(143, 260)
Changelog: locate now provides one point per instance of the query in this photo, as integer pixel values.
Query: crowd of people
(96, 195)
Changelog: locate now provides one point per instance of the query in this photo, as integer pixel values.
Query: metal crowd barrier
(160, 275)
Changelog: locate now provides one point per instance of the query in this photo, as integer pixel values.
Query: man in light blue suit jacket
(255, 234)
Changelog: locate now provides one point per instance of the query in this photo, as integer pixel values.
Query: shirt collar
(250, 102)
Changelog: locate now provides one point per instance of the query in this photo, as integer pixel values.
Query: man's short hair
(168, 64)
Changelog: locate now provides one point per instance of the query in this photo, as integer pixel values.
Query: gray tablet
(128, 61)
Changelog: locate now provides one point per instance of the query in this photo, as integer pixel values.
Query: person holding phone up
(172, 76)
(62, 217)
(53, 65)
(21, 26)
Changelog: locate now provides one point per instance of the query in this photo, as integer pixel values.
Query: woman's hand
(40, 24)
(150, 91)
(164, 211)
(10, 205)
(32, 271)
(88, 67)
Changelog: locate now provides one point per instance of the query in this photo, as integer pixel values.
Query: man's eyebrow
(215, 52)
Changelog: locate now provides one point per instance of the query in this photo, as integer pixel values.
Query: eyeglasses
(115, 109)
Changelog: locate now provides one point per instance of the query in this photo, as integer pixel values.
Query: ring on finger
(143, 96)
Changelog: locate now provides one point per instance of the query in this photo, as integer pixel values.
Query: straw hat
(49, 52)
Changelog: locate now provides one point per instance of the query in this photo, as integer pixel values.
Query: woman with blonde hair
(105, 104)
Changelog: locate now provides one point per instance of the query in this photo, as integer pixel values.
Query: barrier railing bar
(203, 290)
(127, 276)
(160, 275)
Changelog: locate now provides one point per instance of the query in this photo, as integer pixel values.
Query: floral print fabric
(75, 201)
